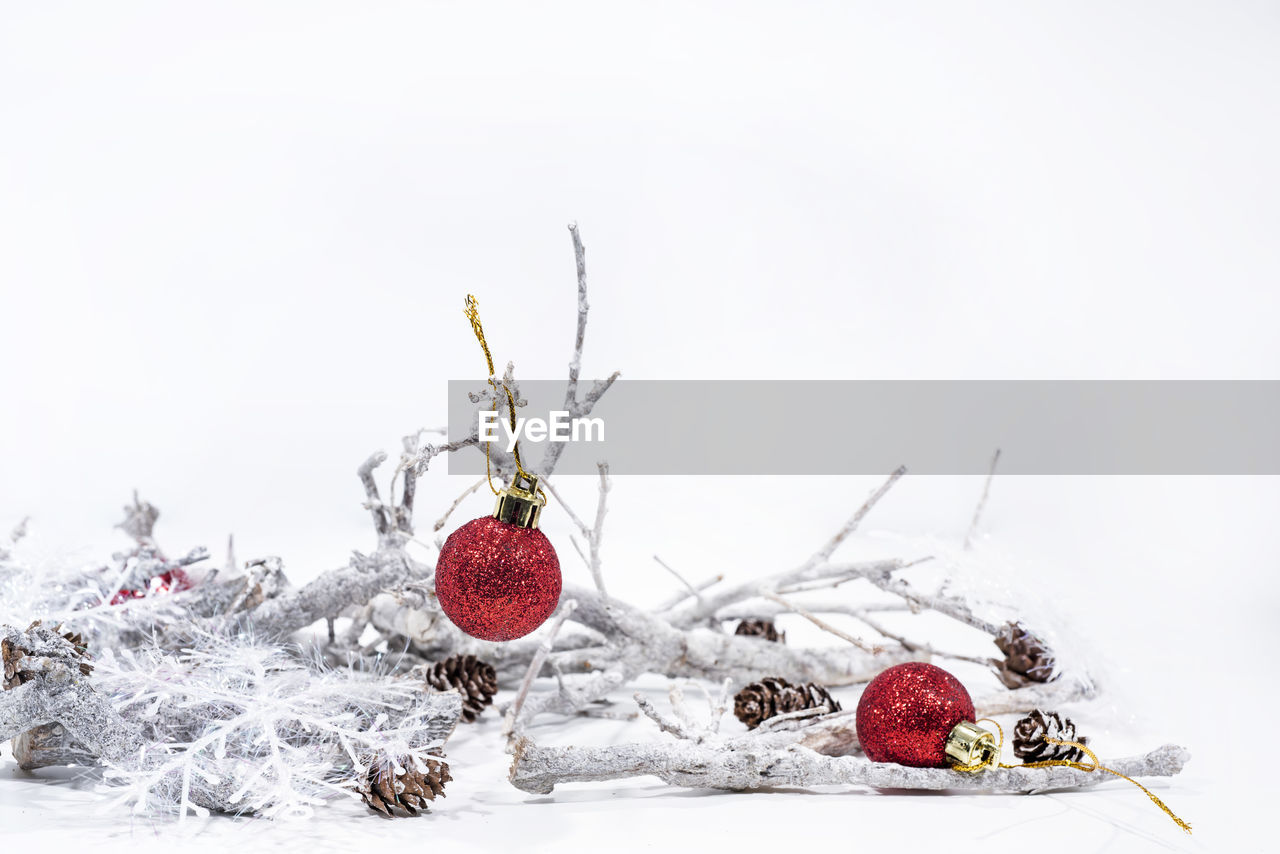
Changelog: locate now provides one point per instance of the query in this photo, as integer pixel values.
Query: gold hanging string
(473, 314)
(1094, 765)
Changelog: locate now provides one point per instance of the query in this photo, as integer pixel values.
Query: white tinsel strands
(235, 726)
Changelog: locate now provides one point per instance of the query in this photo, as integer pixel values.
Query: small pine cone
(82, 650)
(1029, 736)
(775, 696)
(386, 791)
(13, 652)
(476, 680)
(1026, 658)
(820, 696)
(760, 629)
(12, 657)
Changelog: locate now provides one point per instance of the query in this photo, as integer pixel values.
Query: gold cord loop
(1098, 766)
(1094, 765)
(472, 312)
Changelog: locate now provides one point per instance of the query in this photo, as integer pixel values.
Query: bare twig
(597, 532)
(950, 606)
(666, 724)
(754, 609)
(706, 610)
(972, 533)
(381, 519)
(779, 721)
(575, 364)
(407, 466)
(577, 407)
(813, 569)
(535, 666)
(822, 624)
(914, 646)
(824, 553)
(564, 505)
(695, 592)
(470, 490)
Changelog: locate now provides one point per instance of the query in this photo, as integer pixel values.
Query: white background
(235, 239)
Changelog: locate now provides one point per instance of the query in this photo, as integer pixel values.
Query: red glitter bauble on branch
(920, 715)
(171, 581)
(498, 577)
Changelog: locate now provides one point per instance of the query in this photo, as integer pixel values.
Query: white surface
(236, 239)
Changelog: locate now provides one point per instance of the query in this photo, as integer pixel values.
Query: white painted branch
(597, 532)
(563, 505)
(575, 364)
(758, 609)
(655, 646)
(804, 753)
(444, 519)
(972, 533)
(335, 591)
(577, 407)
(738, 766)
(689, 589)
(824, 554)
(823, 624)
(381, 518)
(949, 606)
(916, 646)
(1038, 695)
(710, 606)
(535, 666)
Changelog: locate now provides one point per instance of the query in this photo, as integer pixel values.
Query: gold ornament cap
(520, 503)
(969, 744)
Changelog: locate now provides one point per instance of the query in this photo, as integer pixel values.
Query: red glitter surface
(173, 581)
(907, 712)
(497, 582)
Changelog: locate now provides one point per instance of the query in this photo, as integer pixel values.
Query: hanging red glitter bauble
(497, 581)
(907, 713)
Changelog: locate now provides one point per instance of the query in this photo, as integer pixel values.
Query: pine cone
(476, 680)
(12, 656)
(760, 629)
(12, 653)
(774, 696)
(1026, 659)
(1029, 736)
(82, 649)
(386, 791)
